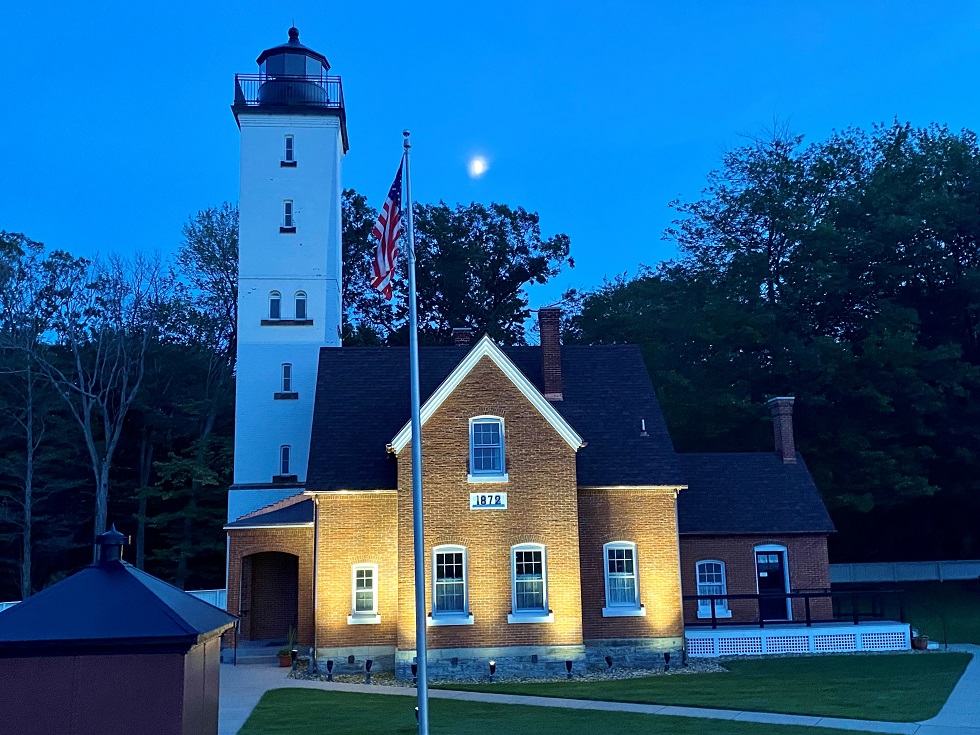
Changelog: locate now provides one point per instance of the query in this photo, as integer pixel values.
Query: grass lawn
(899, 687)
(292, 711)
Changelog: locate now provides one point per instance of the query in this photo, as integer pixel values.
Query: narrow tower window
(275, 305)
(287, 378)
(301, 305)
(287, 214)
(287, 155)
(284, 459)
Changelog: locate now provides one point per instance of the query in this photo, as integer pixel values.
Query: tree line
(845, 272)
(117, 375)
(842, 271)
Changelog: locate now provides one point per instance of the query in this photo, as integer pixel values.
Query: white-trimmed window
(300, 305)
(284, 452)
(287, 213)
(450, 604)
(711, 581)
(529, 585)
(364, 594)
(275, 305)
(622, 580)
(487, 449)
(288, 153)
(287, 378)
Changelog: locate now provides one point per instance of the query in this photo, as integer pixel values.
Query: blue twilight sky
(116, 126)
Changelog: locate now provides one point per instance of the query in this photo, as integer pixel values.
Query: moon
(477, 166)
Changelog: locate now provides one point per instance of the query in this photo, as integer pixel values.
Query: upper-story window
(300, 310)
(284, 452)
(287, 378)
(487, 449)
(275, 305)
(288, 153)
(287, 215)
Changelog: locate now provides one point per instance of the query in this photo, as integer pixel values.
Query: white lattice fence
(752, 641)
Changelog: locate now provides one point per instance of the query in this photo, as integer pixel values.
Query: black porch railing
(847, 606)
(264, 90)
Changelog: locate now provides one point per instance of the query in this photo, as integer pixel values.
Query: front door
(771, 568)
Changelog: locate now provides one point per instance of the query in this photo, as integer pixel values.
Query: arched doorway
(270, 595)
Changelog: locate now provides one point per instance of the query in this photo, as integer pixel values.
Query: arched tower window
(275, 305)
(284, 452)
(300, 305)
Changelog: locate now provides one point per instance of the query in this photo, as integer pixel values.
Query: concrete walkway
(243, 686)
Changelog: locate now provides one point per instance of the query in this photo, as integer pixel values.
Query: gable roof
(486, 347)
(749, 493)
(109, 604)
(362, 401)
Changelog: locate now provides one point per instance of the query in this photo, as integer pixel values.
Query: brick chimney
(782, 427)
(462, 336)
(549, 321)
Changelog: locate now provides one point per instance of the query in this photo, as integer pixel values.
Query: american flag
(387, 230)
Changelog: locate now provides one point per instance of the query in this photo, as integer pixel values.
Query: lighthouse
(293, 139)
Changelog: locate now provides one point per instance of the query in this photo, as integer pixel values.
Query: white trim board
(487, 348)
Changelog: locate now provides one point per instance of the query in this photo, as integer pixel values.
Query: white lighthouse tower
(293, 139)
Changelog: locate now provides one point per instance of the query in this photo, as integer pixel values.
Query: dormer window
(487, 450)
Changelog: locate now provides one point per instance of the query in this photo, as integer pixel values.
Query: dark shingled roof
(748, 493)
(301, 512)
(362, 401)
(109, 604)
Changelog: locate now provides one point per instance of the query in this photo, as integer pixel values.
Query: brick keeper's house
(560, 524)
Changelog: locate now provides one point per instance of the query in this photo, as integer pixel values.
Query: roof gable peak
(486, 347)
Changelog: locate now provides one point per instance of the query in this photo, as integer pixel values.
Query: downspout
(316, 546)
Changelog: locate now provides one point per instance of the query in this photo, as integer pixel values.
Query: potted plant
(920, 642)
(286, 652)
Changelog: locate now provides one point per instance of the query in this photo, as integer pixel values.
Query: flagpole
(413, 349)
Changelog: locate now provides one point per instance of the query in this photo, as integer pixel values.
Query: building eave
(486, 347)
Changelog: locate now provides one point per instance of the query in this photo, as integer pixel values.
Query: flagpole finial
(408, 142)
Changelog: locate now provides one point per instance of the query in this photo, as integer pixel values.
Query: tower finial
(293, 33)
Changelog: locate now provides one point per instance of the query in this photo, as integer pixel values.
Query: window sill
(624, 612)
(718, 614)
(531, 617)
(287, 230)
(459, 619)
(363, 619)
(488, 478)
(287, 322)
(279, 479)
(288, 164)
(291, 396)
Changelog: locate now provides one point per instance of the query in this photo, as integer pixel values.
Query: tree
(104, 314)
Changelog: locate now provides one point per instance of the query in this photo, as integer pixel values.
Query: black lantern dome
(294, 74)
(292, 59)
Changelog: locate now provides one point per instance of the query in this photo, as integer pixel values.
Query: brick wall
(809, 569)
(243, 543)
(648, 519)
(356, 528)
(542, 508)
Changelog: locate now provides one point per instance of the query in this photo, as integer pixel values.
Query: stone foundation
(351, 659)
(634, 653)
